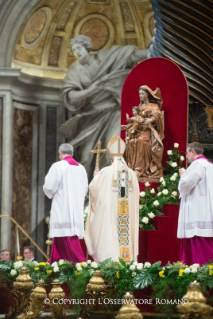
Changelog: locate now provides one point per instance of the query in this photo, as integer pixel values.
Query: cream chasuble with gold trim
(112, 227)
(123, 215)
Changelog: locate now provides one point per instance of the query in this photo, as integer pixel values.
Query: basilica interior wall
(30, 140)
(42, 45)
(40, 51)
(34, 59)
(22, 168)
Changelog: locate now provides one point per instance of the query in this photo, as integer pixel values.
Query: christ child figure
(134, 126)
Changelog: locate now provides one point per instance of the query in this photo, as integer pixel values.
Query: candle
(17, 241)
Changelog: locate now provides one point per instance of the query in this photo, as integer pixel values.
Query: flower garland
(152, 201)
(168, 282)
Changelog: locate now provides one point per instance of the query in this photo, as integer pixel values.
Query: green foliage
(152, 201)
(168, 282)
(5, 265)
(77, 286)
(119, 279)
(146, 276)
(144, 279)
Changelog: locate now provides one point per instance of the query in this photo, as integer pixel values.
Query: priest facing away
(67, 185)
(112, 227)
(195, 224)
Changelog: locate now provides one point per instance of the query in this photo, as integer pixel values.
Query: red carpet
(161, 244)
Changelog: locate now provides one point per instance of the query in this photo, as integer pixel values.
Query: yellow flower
(181, 271)
(118, 275)
(49, 271)
(210, 272)
(36, 268)
(77, 273)
(161, 274)
(42, 264)
(180, 264)
(47, 263)
(210, 266)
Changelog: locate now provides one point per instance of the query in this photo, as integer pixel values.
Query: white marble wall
(35, 95)
(7, 76)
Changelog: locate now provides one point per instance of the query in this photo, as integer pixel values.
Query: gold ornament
(23, 281)
(48, 241)
(96, 283)
(129, 309)
(36, 302)
(95, 289)
(19, 257)
(209, 111)
(55, 294)
(23, 286)
(194, 305)
(98, 151)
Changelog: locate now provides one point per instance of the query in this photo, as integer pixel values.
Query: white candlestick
(17, 241)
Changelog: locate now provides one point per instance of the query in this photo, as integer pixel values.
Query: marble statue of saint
(144, 152)
(92, 91)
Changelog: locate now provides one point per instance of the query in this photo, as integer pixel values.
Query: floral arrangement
(153, 201)
(86, 213)
(168, 282)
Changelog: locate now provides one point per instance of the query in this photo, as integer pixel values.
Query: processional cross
(98, 151)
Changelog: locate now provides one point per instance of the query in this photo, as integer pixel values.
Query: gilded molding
(48, 14)
(209, 111)
(101, 17)
(65, 16)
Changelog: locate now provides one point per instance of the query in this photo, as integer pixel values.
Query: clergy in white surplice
(67, 185)
(195, 224)
(112, 227)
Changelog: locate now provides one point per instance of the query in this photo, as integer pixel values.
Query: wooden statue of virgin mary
(145, 150)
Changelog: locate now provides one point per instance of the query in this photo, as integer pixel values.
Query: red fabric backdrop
(162, 73)
(162, 243)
